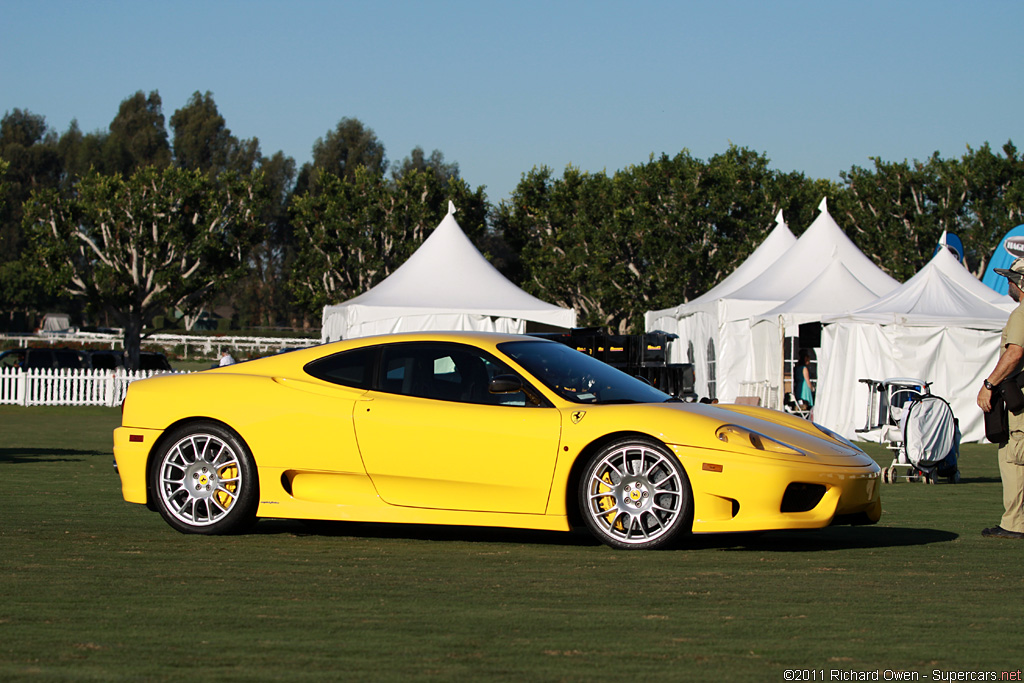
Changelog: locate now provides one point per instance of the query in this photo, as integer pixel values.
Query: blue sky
(501, 87)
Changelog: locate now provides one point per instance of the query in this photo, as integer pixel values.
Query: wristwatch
(990, 386)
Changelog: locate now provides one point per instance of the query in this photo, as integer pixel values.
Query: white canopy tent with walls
(447, 284)
(941, 326)
(698, 322)
(806, 272)
(835, 289)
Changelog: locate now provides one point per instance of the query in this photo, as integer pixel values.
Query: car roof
(270, 364)
(482, 339)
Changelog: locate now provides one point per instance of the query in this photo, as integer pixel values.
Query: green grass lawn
(93, 588)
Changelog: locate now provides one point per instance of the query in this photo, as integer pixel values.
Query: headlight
(832, 435)
(740, 436)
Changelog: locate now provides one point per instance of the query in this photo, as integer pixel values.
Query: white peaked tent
(778, 242)
(447, 284)
(819, 298)
(750, 359)
(821, 244)
(940, 326)
(824, 272)
(698, 322)
(834, 290)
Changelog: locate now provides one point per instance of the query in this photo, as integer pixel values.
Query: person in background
(802, 389)
(1011, 453)
(226, 358)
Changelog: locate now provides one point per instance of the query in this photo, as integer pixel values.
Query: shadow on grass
(979, 480)
(829, 538)
(423, 532)
(36, 455)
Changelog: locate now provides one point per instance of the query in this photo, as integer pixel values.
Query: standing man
(1011, 453)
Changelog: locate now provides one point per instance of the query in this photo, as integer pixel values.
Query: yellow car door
(432, 436)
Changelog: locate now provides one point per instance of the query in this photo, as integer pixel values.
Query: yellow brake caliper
(223, 497)
(608, 502)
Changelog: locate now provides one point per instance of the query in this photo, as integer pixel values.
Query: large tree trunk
(132, 339)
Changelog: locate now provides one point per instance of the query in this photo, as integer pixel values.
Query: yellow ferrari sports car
(475, 429)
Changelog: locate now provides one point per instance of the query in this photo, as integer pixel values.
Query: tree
(651, 236)
(561, 229)
(994, 189)
(202, 140)
(4, 185)
(261, 296)
(82, 152)
(342, 151)
(891, 214)
(29, 150)
(138, 136)
(352, 235)
(897, 211)
(418, 161)
(159, 239)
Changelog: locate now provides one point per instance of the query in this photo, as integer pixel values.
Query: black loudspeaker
(810, 336)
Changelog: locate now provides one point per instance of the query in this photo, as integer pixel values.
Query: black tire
(635, 495)
(204, 480)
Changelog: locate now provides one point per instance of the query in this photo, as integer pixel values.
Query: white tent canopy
(778, 242)
(697, 321)
(447, 284)
(835, 289)
(823, 243)
(941, 292)
(822, 272)
(836, 286)
(941, 326)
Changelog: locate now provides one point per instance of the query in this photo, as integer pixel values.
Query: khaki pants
(1012, 475)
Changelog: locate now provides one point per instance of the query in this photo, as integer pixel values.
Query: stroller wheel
(930, 479)
(954, 478)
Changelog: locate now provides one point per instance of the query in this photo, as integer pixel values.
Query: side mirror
(505, 384)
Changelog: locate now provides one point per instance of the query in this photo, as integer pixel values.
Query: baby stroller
(917, 426)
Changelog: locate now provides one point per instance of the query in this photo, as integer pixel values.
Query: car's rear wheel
(634, 494)
(204, 480)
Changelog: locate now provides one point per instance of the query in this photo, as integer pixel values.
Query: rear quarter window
(348, 368)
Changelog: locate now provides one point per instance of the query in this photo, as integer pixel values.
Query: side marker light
(711, 467)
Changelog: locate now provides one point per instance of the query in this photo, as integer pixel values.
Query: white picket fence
(187, 346)
(65, 387)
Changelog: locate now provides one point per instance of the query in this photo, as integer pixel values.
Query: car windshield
(578, 377)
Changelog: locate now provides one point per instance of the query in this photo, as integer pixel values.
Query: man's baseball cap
(1015, 273)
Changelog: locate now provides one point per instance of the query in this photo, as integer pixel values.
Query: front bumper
(131, 453)
(733, 492)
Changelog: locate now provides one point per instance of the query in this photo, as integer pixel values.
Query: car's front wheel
(204, 480)
(634, 494)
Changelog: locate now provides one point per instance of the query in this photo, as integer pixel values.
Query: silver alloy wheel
(200, 479)
(635, 495)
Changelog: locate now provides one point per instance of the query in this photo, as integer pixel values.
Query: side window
(39, 359)
(494, 368)
(444, 372)
(349, 368)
